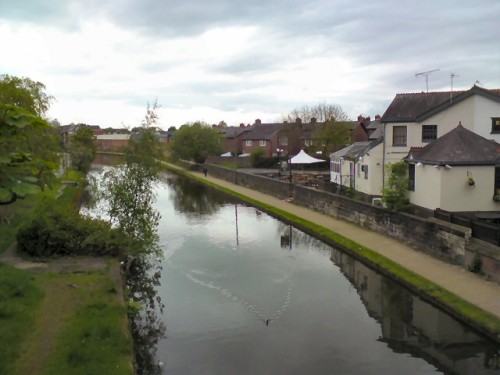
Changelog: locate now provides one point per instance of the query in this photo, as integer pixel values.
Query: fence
(482, 230)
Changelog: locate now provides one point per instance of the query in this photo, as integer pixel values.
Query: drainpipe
(383, 159)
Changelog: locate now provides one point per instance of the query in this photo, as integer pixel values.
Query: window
(411, 177)
(262, 142)
(335, 166)
(283, 141)
(495, 124)
(358, 169)
(308, 142)
(364, 168)
(497, 181)
(249, 143)
(399, 136)
(429, 133)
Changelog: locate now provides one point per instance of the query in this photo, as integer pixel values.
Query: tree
(332, 135)
(24, 93)
(321, 112)
(29, 149)
(195, 141)
(172, 129)
(394, 194)
(82, 149)
(128, 191)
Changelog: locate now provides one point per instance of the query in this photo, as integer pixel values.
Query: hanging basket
(470, 181)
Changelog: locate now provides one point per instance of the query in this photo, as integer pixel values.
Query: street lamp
(279, 151)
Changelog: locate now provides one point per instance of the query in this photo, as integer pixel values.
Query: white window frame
(262, 143)
(249, 143)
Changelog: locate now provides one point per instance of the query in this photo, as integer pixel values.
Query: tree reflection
(192, 198)
(147, 328)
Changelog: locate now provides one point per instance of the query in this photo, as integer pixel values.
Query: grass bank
(447, 301)
(61, 321)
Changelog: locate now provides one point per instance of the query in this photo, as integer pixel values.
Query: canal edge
(481, 320)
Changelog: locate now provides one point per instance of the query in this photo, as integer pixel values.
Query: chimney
(298, 120)
(360, 118)
(258, 122)
(313, 120)
(367, 120)
(242, 125)
(377, 117)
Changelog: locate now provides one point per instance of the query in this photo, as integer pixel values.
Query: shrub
(55, 230)
(394, 194)
(259, 160)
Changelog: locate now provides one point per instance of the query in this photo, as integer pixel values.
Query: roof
(114, 137)
(419, 106)
(356, 150)
(459, 146)
(262, 131)
(303, 158)
(233, 131)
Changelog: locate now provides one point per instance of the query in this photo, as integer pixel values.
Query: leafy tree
(394, 194)
(332, 135)
(82, 149)
(128, 191)
(29, 149)
(321, 111)
(195, 141)
(24, 93)
(172, 129)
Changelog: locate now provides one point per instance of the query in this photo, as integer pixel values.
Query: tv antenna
(426, 74)
(452, 75)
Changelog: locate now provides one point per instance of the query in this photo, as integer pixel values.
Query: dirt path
(61, 300)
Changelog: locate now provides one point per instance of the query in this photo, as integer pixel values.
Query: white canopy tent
(303, 158)
(226, 154)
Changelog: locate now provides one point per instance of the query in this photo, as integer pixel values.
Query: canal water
(240, 292)
(245, 293)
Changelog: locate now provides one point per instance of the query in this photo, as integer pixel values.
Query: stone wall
(441, 239)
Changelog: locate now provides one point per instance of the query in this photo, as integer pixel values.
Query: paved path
(455, 279)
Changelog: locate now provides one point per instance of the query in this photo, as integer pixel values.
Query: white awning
(226, 154)
(303, 158)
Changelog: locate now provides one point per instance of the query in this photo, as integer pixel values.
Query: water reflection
(413, 326)
(248, 294)
(194, 199)
(148, 328)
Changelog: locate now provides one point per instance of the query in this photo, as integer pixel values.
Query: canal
(240, 292)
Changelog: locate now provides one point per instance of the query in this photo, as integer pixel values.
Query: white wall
(372, 185)
(427, 187)
(457, 195)
(448, 189)
(484, 110)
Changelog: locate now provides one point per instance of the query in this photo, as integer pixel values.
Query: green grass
(94, 339)
(458, 307)
(20, 298)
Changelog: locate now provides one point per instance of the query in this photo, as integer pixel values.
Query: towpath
(470, 287)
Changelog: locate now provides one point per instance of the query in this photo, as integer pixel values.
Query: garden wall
(441, 239)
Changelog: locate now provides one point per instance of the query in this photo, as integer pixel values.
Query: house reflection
(411, 325)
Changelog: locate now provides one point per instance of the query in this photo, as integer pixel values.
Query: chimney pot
(360, 118)
(377, 117)
(258, 122)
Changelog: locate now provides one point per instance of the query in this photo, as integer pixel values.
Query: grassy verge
(60, 323)
(453, 304)
(20, 298)
(94, 338)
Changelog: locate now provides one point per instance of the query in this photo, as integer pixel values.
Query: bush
(57, 231)
(259, 160)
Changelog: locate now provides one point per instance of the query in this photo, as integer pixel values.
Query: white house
(359, 167)
(416, 119)
(459, 171)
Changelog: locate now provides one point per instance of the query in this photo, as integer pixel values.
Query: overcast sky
(238, 60)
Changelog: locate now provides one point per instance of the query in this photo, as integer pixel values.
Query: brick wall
(443, 240)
